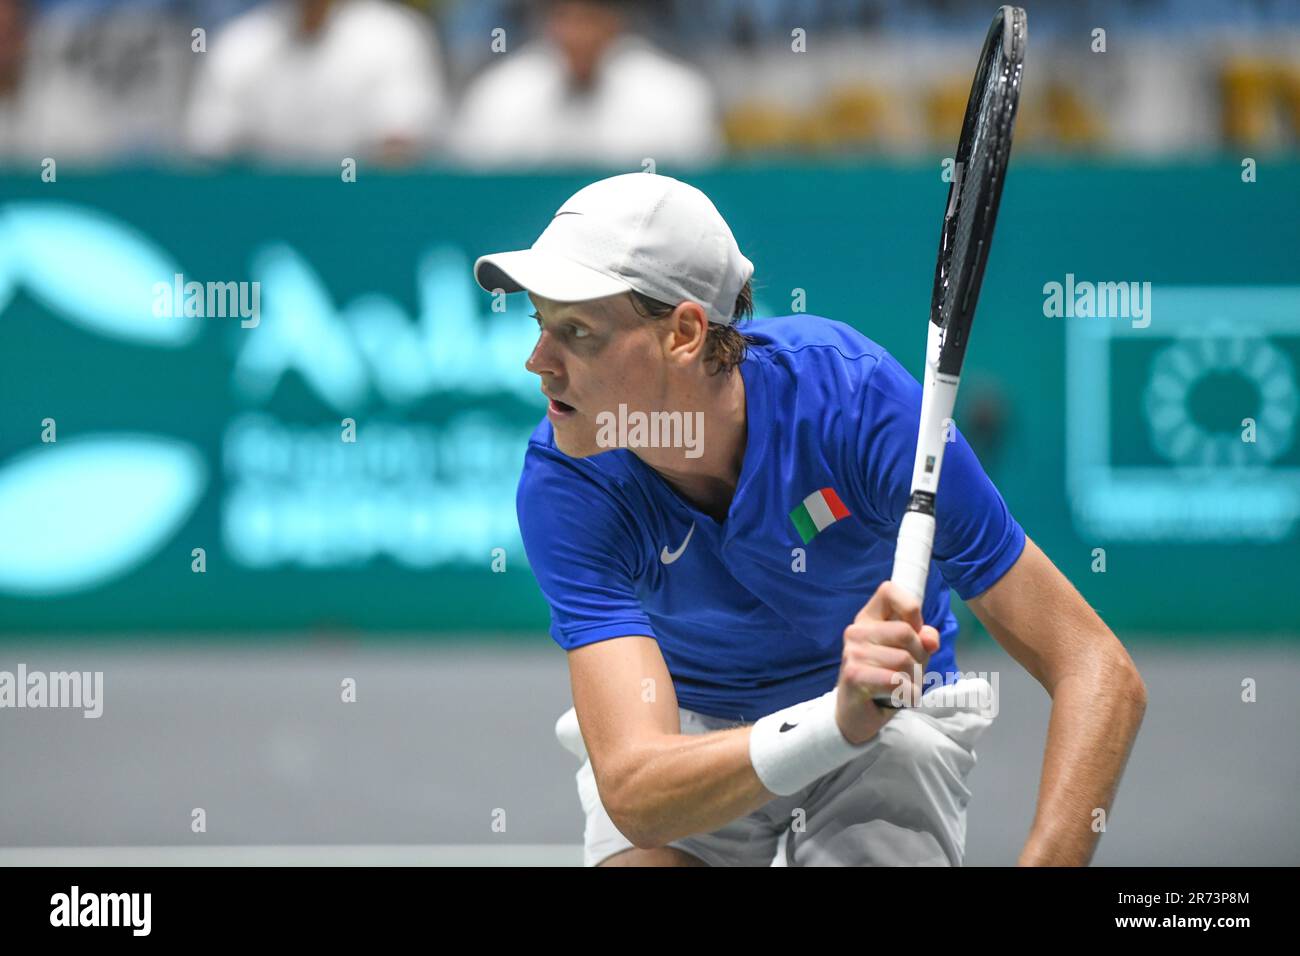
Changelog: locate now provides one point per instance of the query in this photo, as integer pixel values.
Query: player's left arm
(1098, 701)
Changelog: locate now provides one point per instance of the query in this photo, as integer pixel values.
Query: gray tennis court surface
(448, 756)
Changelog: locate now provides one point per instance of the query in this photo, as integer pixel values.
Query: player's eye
(570, 330)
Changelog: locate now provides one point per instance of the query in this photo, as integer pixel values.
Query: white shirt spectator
(97, 84)
(642, 104)
(371, 76)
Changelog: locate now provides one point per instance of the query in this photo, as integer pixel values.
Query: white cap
(640, 231)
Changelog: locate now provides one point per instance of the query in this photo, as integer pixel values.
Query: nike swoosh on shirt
(668, 557)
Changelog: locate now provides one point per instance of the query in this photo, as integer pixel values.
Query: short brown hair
(725, 347)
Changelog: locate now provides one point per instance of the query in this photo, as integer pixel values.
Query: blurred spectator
(318, 80)
(91, 80)
(589, 81)
(587, 92)
(14, 105)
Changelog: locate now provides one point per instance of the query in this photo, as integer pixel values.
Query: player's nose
(543, 359)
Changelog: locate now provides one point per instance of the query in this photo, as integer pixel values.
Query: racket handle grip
(911, 563)
(912, 553)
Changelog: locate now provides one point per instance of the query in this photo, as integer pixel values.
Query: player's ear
(690, 331)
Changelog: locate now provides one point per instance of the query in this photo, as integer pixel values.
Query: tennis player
(711, 515)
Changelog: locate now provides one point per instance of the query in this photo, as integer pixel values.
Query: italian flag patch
(819, 511)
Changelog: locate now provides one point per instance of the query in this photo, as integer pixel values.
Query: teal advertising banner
(183, 358)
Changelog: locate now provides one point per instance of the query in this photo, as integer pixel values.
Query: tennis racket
(979, 171)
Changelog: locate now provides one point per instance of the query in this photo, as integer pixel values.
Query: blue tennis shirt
(750, 616)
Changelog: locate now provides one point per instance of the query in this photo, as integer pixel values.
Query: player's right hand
(886, 649)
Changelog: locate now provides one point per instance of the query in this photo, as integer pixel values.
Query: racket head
(979, 172)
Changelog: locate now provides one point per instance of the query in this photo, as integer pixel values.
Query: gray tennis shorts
(901, 802)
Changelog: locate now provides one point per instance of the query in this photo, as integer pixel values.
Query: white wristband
(793, 747)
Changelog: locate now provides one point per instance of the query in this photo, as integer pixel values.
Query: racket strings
(983, 151)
